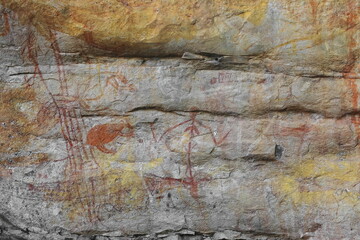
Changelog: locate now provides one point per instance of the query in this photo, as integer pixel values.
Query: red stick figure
(194, 129)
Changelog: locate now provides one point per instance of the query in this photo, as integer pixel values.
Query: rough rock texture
(162, 119)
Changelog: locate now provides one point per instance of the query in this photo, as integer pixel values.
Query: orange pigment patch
(100, 135)
(17, 127)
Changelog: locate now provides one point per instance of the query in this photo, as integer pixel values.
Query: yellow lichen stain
(153, 164)
(112, 23)
(320, 182)
(120, 189)
(116, 182)
(128, 176)
(255, 14)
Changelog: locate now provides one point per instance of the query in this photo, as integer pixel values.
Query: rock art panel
(179, 120)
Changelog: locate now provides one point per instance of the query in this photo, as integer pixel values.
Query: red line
(56, 49)
(172, 128)
(6, 25)
(84, 147)
(188, 169)
(90, 148)
(153, 131)
(72, 152)
(75, 141)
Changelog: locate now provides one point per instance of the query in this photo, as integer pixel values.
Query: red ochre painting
(105, 122)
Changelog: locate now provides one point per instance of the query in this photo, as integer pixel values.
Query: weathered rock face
(179, 119)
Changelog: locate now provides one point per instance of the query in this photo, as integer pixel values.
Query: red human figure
(194, 129)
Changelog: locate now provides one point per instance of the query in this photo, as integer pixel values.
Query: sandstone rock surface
(225, 119)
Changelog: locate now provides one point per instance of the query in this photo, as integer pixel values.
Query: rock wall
(163, 119)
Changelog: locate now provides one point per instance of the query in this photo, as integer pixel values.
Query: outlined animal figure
(120, 82)
(102, 134)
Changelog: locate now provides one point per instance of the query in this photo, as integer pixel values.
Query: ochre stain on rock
(120, 24)
(19, 124)
(321, 21)
(16, 127)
